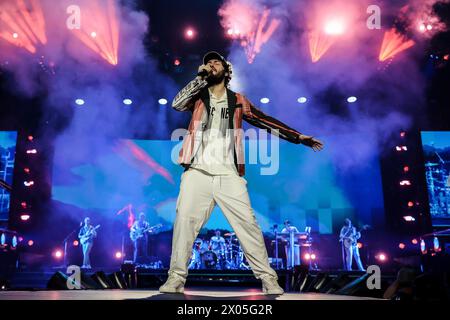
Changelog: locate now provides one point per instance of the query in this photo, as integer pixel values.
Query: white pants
(199, 193)
(87, 247)
(352, 251)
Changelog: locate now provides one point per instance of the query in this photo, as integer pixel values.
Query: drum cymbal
(229, 234)
(429, 164)
(289, 233)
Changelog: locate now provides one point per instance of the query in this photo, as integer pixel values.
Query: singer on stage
(212, 155)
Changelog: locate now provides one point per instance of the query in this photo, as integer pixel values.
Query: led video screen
(436, 149)
(8, 140)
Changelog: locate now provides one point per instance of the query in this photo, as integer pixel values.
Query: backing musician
(86, 235)
(288, 227)
(349, 238)
(139, 236)
(217, 242)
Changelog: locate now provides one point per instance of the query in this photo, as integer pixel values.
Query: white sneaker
(270, 286)
(174, 284)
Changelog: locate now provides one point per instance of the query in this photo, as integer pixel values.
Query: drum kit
(226, 256)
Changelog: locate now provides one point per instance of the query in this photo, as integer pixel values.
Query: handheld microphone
(203, 73)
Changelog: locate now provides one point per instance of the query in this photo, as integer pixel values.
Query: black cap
(226, 64)
(213, 55)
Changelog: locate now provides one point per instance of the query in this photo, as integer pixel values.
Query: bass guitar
(140, 232)
(89, 235)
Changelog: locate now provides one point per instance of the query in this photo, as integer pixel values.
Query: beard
(217, 78)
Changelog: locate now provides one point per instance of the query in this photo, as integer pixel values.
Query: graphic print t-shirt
(215, 155)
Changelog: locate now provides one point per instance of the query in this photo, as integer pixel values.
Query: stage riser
(152, 279)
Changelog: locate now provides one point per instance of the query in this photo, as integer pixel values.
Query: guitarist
(139, 229)
(87, 232)
(349, 238)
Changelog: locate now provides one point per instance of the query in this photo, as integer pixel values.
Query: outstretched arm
(259, 119)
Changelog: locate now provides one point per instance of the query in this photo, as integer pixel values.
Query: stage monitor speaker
(299, 275)
(102, 280)
(315, 282)
(306, 282)
(339, 282)
(58, 281)
(88, 283)
(118, 280)
(322, 279)
(355, 287)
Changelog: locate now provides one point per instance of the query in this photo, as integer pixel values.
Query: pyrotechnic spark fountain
(142, 160)
(22, 24)
(320, 40)
(100, 30)
(252, 30)
(393, 44)
(319, 43)
(256, 39)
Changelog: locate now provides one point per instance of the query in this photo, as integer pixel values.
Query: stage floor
(190, 294)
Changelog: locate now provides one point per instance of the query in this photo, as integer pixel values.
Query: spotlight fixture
(28, 183)
(405, 183)
(189, 33)
(58, 254)
(302, 100)
(381, 257)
